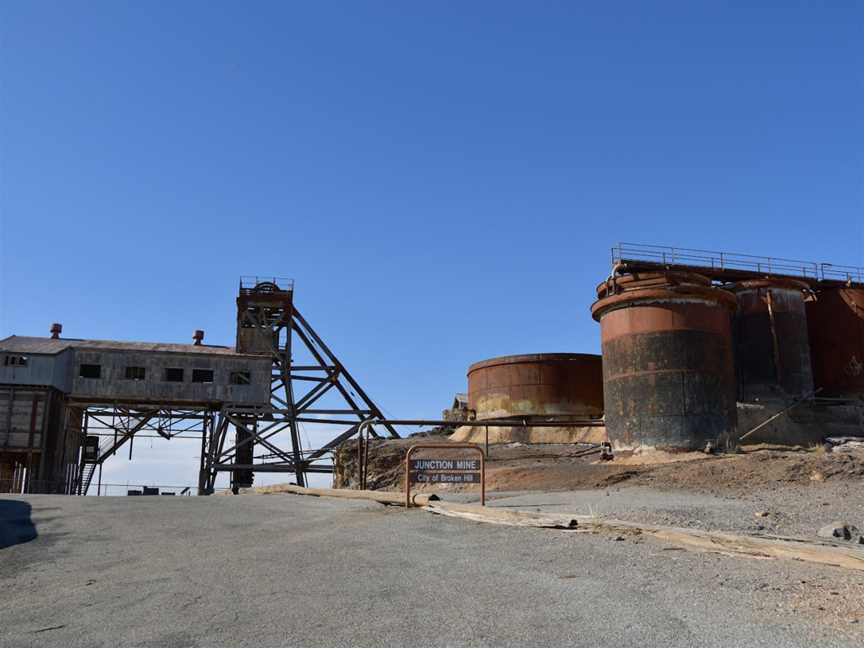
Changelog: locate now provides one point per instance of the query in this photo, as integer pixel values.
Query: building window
(90, 371)
(173, 374)
(135, 373)
(240, 378)
(202, 375)
(15, 361)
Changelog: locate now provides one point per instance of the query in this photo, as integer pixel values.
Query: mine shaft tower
(67, 405)
(269, 324)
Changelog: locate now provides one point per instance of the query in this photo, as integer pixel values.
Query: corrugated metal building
(46, 382)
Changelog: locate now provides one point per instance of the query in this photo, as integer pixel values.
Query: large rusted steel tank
(836, 324)
(772, 350)
(540, 384)
(668, 372)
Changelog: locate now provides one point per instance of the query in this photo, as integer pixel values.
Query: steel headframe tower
(268, 323)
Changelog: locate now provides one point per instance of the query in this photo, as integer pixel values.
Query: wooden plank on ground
(788, 548)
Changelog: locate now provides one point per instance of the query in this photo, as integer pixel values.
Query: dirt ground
(726, 474)
(761, 490)
(554, 467)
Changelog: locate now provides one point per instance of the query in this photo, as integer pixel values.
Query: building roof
(51, 346)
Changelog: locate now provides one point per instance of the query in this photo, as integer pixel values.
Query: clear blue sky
(442, 179)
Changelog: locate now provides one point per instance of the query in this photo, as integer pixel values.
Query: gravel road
(792, 510)
(285, 570)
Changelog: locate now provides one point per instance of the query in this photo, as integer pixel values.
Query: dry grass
(818, 449)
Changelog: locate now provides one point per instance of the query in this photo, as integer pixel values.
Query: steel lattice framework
(119, 423)
(269, 322)
(267, 437)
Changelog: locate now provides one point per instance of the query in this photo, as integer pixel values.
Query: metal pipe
(369, 422)
(778, 414)
(486, 422)
(361, 430)
(366, 424)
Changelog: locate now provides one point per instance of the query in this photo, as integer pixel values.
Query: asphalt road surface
(285, 570)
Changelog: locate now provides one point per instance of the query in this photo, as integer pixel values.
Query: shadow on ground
(15, 523)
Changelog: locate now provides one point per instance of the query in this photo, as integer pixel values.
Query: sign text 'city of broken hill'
(444, 470)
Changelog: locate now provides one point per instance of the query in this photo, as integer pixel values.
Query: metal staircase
(85, 476)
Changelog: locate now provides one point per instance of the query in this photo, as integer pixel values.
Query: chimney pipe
(56, 330)
(198, 337)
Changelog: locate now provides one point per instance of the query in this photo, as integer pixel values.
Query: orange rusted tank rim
(641, 280)
(658, 287)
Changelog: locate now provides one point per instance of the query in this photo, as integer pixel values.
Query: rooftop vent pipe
(198, 337)
(56, 330)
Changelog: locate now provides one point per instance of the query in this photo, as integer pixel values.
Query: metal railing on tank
(849, 274)
(715, 260)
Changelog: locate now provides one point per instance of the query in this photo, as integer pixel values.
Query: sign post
(445, 471)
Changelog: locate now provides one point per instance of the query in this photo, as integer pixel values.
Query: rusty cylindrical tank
(836, 324)
(772, 352)
(668, 373)
(541, 384)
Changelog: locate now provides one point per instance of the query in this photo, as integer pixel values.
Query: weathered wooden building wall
(39, 438)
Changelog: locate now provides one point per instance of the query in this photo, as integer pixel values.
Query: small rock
(619, 538)
(761, 514)
(839, 530)
(606, 451)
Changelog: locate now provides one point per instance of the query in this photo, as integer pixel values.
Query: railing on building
(248, 283)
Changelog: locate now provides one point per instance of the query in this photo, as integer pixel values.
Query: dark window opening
(135, 373)
(202, 375)
(90, 371)
(173, 374)
(240, 378)
(15, 361)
